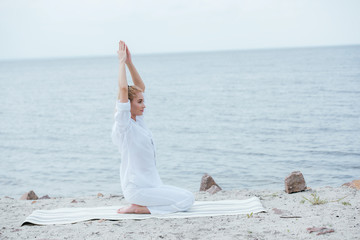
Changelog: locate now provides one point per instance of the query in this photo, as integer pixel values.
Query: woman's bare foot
(134, 208)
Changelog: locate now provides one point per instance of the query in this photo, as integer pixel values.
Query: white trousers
(161, 200)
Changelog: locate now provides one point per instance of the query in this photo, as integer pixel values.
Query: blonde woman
(140, 180)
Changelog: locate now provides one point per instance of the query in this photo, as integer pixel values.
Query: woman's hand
(134, 73)
(123, 85)
(122, 52)
(128, 55)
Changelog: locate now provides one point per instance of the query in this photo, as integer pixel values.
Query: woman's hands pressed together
(124, 57)
(128, 56)
(123, 85)
(122, 52)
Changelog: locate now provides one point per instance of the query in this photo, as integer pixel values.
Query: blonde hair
(132, 91)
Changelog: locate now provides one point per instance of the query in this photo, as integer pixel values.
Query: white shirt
(135, 143)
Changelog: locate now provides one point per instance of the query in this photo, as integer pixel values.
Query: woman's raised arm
(134, 73)
(123, 85)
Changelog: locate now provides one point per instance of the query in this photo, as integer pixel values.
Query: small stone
(326, 231)
(213, 189)
(282, 212)
(74, 201)
(295, 182)
(315, 229)
(113, 196)
(277, 211)
(100, 195)
(29, 196)
(320, 230)
(353, 184)
(33, 202)
(206, 182)
(45, 197)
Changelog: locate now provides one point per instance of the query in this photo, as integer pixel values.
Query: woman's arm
(123, 85)
(134, 73)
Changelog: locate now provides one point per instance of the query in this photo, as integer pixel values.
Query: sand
(340, 215)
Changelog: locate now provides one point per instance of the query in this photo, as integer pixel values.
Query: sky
(76, 28)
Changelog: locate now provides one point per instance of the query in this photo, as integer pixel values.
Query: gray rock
(295, 182)
(45, 197)
(29, 196)
(206, 182)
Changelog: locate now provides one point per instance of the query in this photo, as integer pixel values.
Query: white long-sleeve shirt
(135, 143)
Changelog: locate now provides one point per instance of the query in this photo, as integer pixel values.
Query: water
(248, 118)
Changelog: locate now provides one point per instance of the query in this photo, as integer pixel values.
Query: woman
(140, 181)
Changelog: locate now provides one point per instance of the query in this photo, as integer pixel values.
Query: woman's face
(137, 105)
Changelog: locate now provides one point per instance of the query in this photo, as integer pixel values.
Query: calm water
(248, 118)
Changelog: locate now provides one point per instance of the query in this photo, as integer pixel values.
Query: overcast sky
(70, 28)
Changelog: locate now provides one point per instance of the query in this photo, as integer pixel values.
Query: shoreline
(279, 188)
(288, 216)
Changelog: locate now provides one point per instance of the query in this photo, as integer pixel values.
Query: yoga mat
(199, 209)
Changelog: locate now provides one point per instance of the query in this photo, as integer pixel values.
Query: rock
(74, 201)
(206, 182)
(315, 229)
(320, 230)
(45, 197)
(277, 211)
(354, 184)
(326, 231)
(29, 196)
(100, 195)
(213, 189)
(284, 213)
(295, 182)
(112, 196)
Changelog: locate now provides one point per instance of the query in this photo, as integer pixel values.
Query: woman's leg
(163, 199)
(133, 208)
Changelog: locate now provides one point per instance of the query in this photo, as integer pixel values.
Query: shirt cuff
(123, 107)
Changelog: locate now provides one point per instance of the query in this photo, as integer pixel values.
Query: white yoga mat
(199, 209)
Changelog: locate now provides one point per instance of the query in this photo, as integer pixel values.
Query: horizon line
(175, 52)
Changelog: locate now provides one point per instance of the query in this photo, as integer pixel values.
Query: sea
(248, 118)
